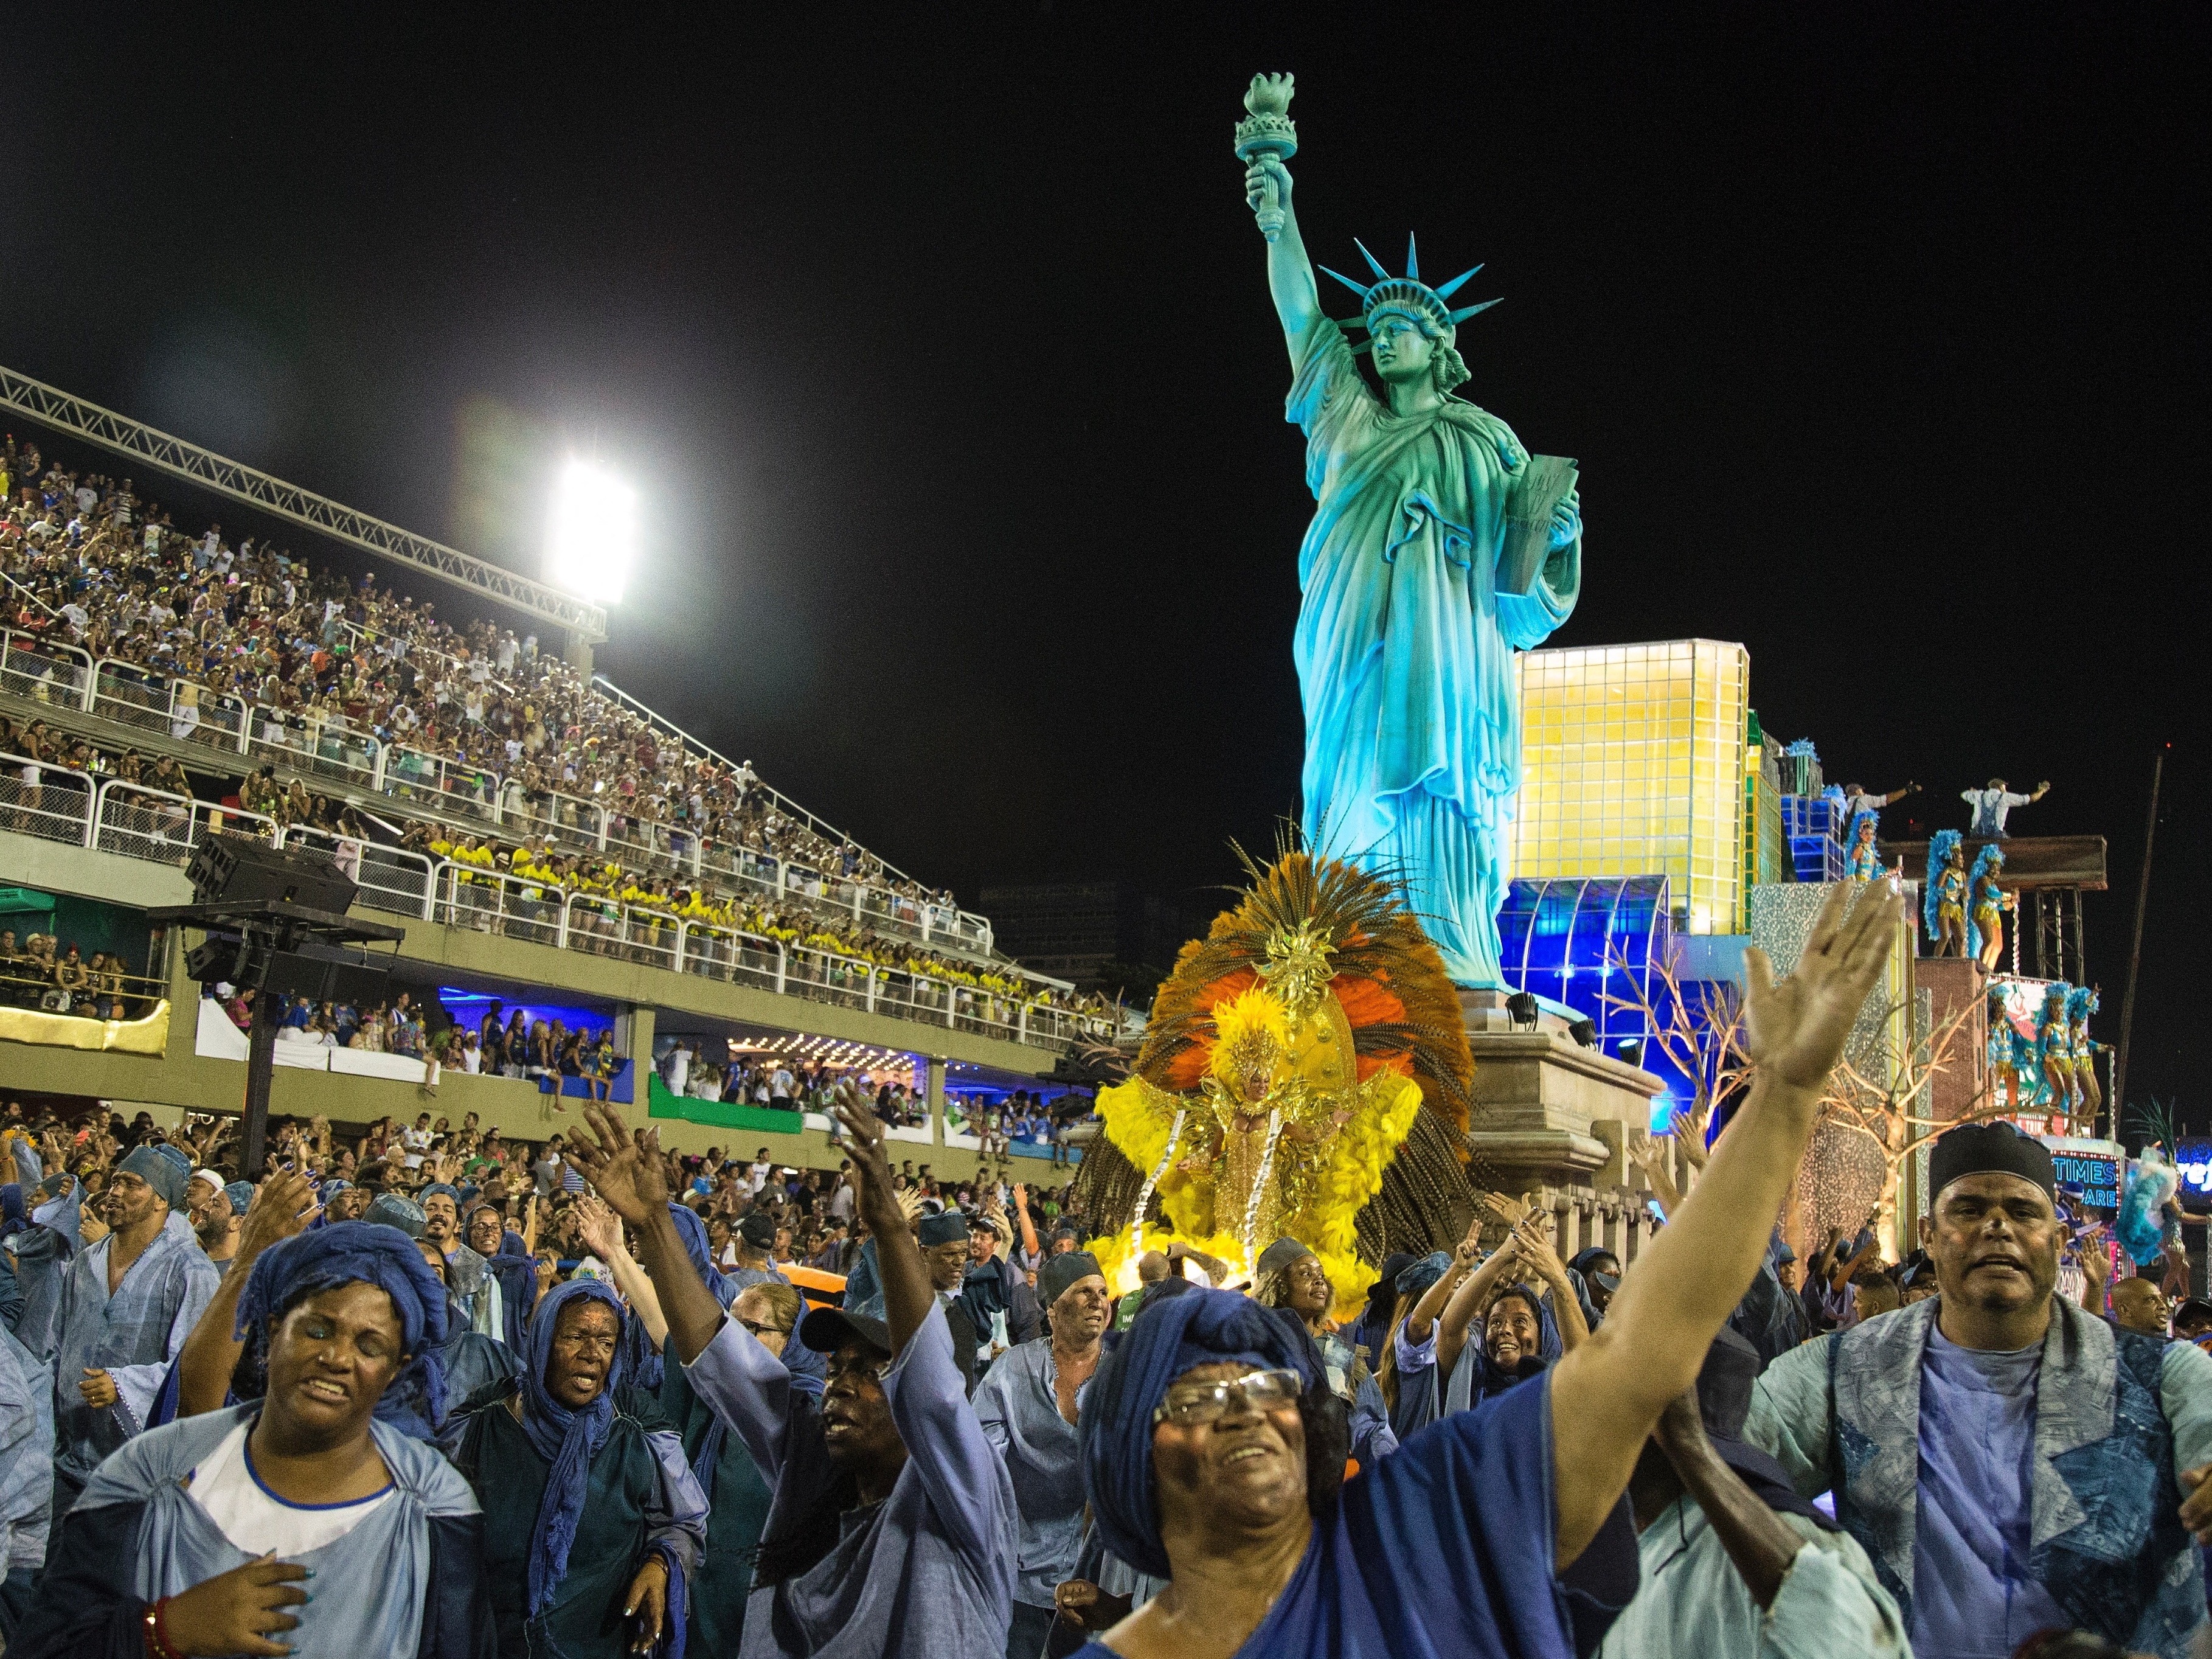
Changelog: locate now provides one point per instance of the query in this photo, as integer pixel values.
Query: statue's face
(1402, 352)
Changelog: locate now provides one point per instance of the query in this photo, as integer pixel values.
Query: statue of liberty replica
(1439, 546)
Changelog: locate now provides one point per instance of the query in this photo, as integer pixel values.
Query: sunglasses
(1195, 1404)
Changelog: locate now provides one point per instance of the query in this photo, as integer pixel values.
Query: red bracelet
(157, 1633)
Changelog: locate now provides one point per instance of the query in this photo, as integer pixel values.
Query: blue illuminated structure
(1572, 940)
(1569, 939)
(1813, 825)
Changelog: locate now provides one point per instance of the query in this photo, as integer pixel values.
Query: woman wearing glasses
(892, 1530)
(1214, 1448)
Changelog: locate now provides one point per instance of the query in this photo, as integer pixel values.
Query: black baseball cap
(825, 1330)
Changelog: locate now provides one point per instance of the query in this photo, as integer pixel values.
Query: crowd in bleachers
(55, 976)
(92, 564)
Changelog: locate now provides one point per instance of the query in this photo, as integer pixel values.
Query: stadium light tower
(594, 535)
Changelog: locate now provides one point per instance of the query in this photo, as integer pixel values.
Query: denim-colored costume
(2116, 1415)
(133, 1335)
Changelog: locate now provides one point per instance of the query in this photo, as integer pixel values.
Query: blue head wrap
(168, 1176)
(693, 1232)
(65, 1215)
(240, 1193)
(13, 1217)
(1172, 1335)
(364, 1253)
(516, 1272)
(452, 1193)
(565, 1439)
(1417, 1279)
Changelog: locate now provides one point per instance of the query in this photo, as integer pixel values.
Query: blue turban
(565, 1439)
(941, 1229)
(240, 1193)
(422, 1198)
(166, 1176)
(391, 1209)
(360, 1253)
(693, 1232)
(516, 1270)
(1416, 1280)
(13, 1217)
(1172, 1335)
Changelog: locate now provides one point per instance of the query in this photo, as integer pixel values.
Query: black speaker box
(232, 869)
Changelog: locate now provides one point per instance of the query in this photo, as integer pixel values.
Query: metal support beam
(58, 409)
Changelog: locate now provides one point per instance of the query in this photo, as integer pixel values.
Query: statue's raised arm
(1263, 141)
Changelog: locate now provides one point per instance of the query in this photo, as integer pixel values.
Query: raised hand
(602, 1231)
(1794, 1031)
(281, 1206)
(628, 1173)
(1467, 1252)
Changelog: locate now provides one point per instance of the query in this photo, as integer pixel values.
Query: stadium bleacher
(158, 686)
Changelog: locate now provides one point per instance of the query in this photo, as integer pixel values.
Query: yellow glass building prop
(1633, 759)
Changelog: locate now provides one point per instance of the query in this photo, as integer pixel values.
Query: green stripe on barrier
(720, 1114)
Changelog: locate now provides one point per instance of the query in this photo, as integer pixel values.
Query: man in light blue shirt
(2007, 1462)
(1992, 804)
(1027, 1405)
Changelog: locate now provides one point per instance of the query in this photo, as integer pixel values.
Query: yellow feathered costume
(1304, 1059)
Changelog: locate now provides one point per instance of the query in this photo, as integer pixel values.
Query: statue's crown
(1405, 293)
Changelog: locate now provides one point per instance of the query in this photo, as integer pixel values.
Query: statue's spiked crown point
(1405, 293)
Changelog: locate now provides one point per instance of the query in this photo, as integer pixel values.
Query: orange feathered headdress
(1306, 927)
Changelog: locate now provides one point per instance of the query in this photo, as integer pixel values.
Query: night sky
(944, 358)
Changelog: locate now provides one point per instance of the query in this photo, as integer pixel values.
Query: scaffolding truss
(119, 433)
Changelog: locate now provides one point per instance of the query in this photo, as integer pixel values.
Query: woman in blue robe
(202, 1534)
(593, 1521)
(1214, 1452)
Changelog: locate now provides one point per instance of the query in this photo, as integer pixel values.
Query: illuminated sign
(2095, 1176)
(2194, 1161)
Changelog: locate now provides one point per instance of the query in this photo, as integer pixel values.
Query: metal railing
(454, 792)
(441, 787)
(54, 803)
(179, 709)
(391, 879)
(309, 742)
(155, 824)
(44, 670)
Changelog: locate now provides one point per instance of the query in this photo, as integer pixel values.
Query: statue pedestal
(1549, 1112)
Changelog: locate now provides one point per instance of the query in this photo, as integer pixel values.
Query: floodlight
(592, 537)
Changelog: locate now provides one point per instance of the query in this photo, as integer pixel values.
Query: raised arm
(908, 1298)
(1425, 1313)
(603, 1234)
(1290, 273)
(633, 1179)
(1468, 1302)
(1566, 1306)
(1607, 1394)
(210, 1353)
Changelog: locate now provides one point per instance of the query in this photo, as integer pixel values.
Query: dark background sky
(944, 354)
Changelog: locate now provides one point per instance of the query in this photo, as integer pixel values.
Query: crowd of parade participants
(434, 1393)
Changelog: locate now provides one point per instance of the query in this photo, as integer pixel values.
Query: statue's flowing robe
(1405, 647)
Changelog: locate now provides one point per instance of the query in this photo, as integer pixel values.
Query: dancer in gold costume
(1305, 1073)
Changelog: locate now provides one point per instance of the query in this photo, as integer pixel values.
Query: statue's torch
(1267, 129)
